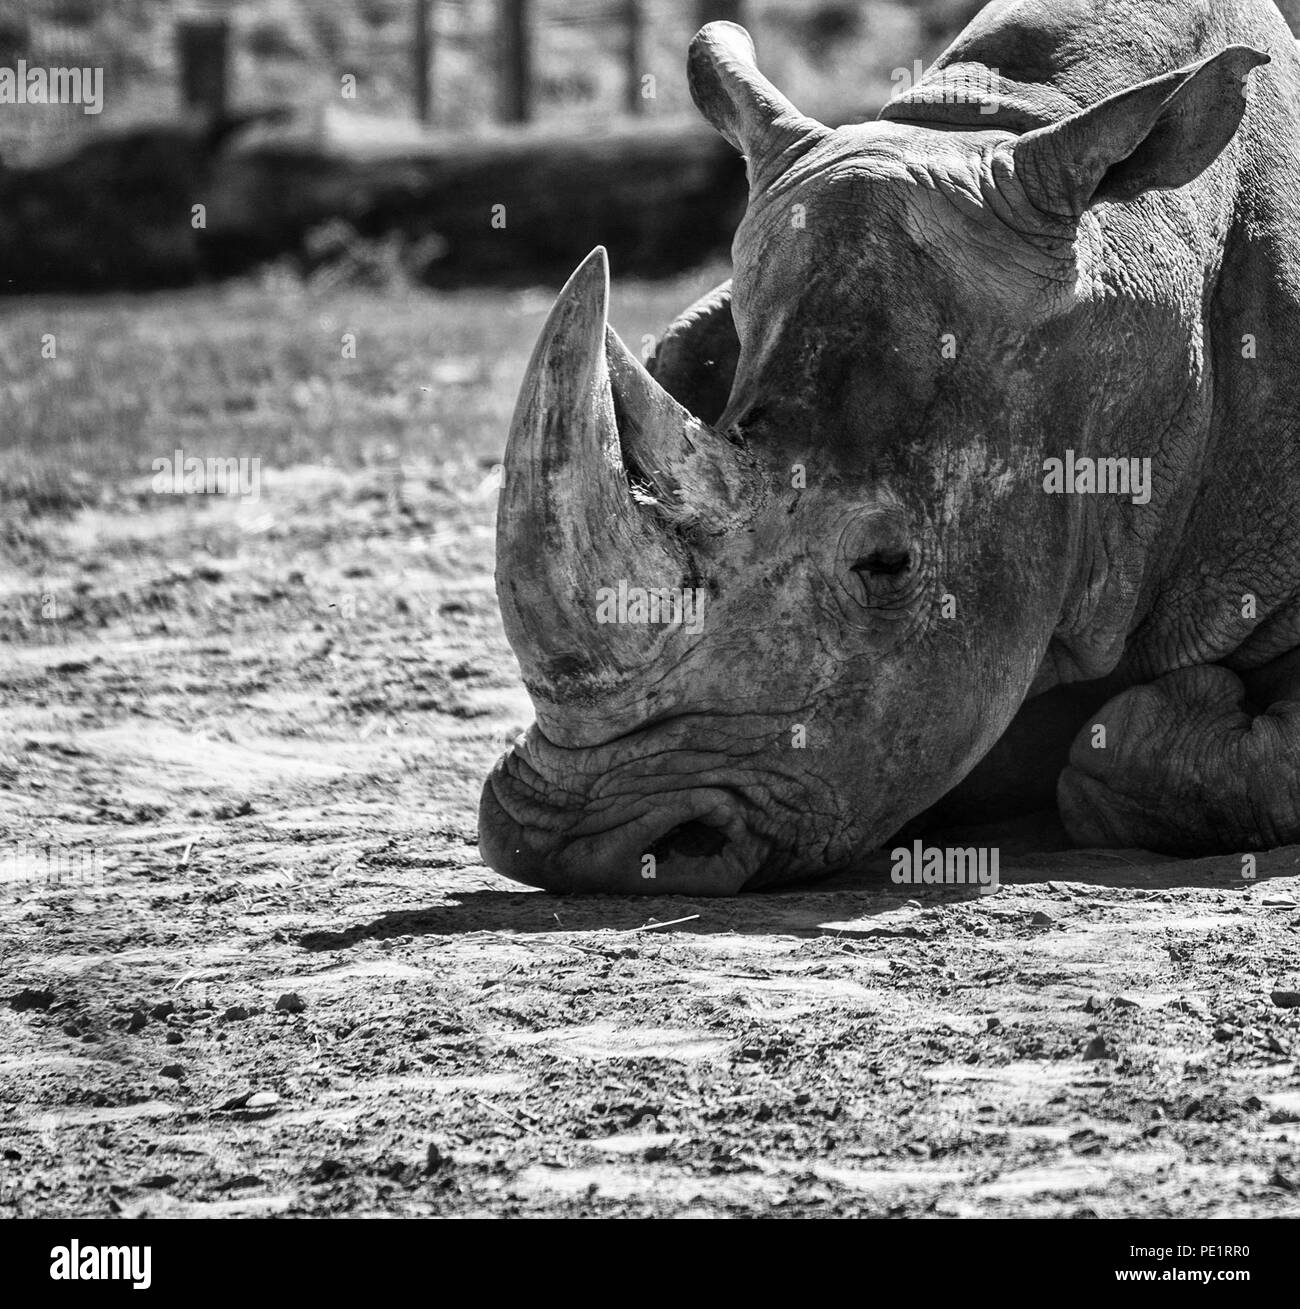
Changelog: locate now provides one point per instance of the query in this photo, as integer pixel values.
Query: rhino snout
(682, 843)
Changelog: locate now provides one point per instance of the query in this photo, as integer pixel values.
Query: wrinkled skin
(899, 620)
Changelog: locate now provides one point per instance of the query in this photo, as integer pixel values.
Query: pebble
(251, 1100)
(291, 1002)
(1098, 1049)
(1192, 1004)
(29, 998)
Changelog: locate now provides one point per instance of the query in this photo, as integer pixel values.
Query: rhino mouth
(678, 842)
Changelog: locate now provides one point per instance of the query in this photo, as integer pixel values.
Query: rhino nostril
(884, 563)
(691, 840)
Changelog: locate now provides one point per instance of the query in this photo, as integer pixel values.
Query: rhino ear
(1154, 136)
(743, 105)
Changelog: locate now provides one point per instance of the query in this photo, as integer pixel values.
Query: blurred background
(485, 140)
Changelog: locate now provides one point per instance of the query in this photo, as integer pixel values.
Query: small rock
(1286, 999)
(328, 1169)
(12, 1155)
(1087, 1141)
(251, 1100)
(244, 1179)
(1094, 1004)
(1040, 919)
(1123, 1002)
(174, 1071)
(291, 1002)
(992, 1024)
(1194, 1005)
(163, 1010)
(157, 1183)
(434, 1158)
(138, 1022)
(31, 998)
(235, 1014)
(1282, 1181)
(1226, 1031)
(1098, 1049)
(174, 1038)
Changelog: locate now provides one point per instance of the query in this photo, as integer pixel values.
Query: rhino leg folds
(1184, 764)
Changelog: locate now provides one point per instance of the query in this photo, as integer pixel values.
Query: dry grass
(258, 369)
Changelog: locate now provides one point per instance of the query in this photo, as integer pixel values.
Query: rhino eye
(883, 564)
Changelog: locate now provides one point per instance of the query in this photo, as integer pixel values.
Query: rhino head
(759, 640)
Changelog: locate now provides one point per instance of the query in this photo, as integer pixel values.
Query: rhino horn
(569, 522)
(744, 106)
(696, 477)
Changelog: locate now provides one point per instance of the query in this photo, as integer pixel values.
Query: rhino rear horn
(744, 106)
(698, 478)
(1155, 136)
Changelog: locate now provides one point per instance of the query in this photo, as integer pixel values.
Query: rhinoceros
(975, 491)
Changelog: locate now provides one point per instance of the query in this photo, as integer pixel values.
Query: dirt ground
(260, 968)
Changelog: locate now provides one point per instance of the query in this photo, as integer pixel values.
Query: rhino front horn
(569, 527)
